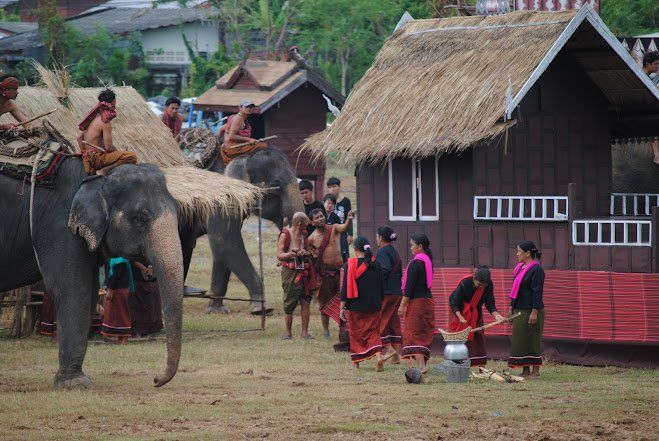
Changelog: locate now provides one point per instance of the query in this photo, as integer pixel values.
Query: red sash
(469, 312)
(105, 109)
(354, 272)
(308, 274)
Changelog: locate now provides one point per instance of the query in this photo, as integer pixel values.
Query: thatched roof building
(137, 129)
(443, 85)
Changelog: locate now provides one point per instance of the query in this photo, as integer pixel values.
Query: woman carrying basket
(526, 298)
(466, 303)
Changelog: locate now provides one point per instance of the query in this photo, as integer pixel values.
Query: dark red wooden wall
(293, 119)
(563, 136)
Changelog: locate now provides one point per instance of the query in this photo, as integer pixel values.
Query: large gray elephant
(267, 168)
(77, 225)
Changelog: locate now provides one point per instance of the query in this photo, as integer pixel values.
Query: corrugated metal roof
(5, 3)
(142, 4)
(18, 27)
(116, 21)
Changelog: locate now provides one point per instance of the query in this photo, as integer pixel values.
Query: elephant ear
(88, 217)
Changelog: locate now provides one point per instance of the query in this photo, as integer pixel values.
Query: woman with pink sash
(526, 298)
(417, 307)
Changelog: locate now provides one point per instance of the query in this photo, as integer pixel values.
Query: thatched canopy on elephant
(137, 129)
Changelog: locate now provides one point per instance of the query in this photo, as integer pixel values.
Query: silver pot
(456, 351)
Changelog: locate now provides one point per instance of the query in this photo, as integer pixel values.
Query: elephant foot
(221, 309)
(255, 308)
(78, 381)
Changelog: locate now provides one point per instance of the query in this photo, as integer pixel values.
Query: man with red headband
(99, 155)
(8, 93)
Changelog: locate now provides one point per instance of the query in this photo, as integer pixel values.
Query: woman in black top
(361, 296)
(392, 273)
(417, 306)
(526, 298)
(466, 303)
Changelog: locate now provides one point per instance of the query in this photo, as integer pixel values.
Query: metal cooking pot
(456, 350)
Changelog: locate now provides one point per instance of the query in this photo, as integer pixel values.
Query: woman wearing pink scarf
(526, 298)
(417, 306)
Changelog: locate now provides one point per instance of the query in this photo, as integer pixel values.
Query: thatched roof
(137, 129)
(443, 85)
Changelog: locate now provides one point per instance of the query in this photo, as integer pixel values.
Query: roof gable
(443, 85)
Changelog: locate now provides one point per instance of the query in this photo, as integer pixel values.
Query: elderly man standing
(297, 274)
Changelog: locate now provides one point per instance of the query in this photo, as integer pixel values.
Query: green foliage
(205, 71)
(631, 17)
(8, 16)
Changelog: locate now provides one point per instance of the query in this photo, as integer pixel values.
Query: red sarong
(145, 308)
(390, 324)
(116, 321)
(174, 123)
(419, 327)
(47, 324)
(470, 313)
(364, 329)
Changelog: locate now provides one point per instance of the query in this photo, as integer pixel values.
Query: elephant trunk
(291, 202)
(163, 250)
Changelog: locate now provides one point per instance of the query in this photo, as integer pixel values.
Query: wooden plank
(466, 245)
(581, 258)
(641, 259)
(621, 259)
(600, 258)
(562, 240)
(499, 246)
(548, 246)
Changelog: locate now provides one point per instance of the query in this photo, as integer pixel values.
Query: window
(413, 190)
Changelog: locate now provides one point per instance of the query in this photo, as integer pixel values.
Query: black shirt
(369, 285)
(416, 285)
(530, 291)
(333, 218)
(465, 292)
(308, 209)
(392, 271)
(342, 208)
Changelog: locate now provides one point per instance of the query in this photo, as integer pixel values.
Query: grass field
(253, 385)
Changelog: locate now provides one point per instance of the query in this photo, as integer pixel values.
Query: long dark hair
(527, 245)
(387, 234)
(482, 274)
(423, 241)
(362, 244)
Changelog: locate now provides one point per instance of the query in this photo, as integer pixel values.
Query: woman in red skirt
(389, 262)
(417, 307)
(361, 302)
(466, 303)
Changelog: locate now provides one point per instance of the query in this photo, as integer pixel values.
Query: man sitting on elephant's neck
(297, 276)
(8, 93)
(99, 155)
(238, 139)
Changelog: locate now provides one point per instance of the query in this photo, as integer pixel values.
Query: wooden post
(23, 323)
(261, 266)
(571, 215)
(655, 239)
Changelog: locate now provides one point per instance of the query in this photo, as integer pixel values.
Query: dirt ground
(252, 385)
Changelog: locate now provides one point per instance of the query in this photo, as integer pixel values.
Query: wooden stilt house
(485, 131)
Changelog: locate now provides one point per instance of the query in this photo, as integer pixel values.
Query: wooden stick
(489, 325)
(35, 118)
(248, 143)
(95, 146)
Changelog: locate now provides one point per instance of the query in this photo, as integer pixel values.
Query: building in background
(9, 28)
(160, 32)
(509, 136)
(289, 96)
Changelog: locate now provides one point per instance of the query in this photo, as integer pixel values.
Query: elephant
(76, 226)
(269, 169)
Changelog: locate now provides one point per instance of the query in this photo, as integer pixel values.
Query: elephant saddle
(18, 152)
(230, 153)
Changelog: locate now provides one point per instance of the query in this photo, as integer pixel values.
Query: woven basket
(456, 336)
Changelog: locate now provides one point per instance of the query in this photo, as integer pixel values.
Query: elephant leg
(73, 297)
(219, 284)
(188, 242)
(229, 254)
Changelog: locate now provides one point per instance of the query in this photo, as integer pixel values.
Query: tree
(204, 72)
(629, 18)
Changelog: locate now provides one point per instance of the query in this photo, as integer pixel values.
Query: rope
(33, 181)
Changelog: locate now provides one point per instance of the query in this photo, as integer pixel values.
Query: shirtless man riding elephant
(99, 155)
(325, 245)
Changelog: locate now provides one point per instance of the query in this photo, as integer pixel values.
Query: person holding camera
(297, 273)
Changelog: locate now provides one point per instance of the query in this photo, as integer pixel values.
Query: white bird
(331, 107)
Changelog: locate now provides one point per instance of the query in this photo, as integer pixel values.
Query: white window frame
(435, 216)
(392, 217)
(417, 195)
